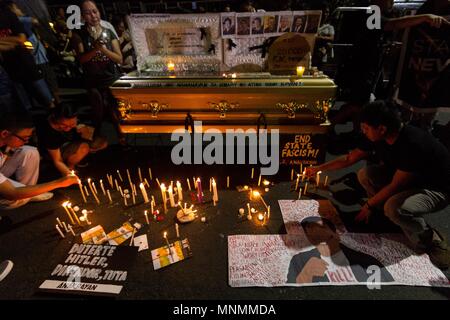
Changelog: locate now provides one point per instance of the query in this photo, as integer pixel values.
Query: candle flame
(266, 182)
(165, 234)
(256, 193)
(260, 217)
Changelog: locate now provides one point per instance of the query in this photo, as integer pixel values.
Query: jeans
(407, 208)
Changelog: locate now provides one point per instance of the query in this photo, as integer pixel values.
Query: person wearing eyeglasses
(67, 142)
(22, 162)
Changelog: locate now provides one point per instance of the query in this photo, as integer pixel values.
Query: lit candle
(109, 196)
(150, 173)
(195, 183)
(120, 176)
(210, 185)
(304, 175)
(306, 187)
(301, 167)
(249, 211)
(259, 180)
(268, 212)
(59, 231)
(177, 229)
(189, 184)
(157, 181)
(59, 222)
(125, 196)
(117, 185)
(151, 207)
(92, 190)
(296, 183)
(299, 194)
(300, 71)
(326, 181)
(146, 217)
(140, 174)
(171, 197)
(180, 191)
(318, 177)
(199, 191)
(266, 182)
(171, 66)
(260, 217)
(67, 211)
(163, 193)
(103, 188)
(81, 190)
(215, 194)
(253, 172)
(233, 75)
(121, 192)
(95, 189)
(69, 205)
(146, 183)
(86, 191)
(228, 181)
(144, 192)
(256, 194)
(168, 244)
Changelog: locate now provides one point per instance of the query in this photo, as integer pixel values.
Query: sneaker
(5, 268)
(42, 197)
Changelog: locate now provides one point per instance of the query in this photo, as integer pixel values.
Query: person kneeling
(67, 142)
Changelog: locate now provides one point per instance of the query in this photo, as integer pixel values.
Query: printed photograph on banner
(228, 23)
(313, 21)
(320, 256)
(270, 24)
(257, 25)
(285, 22)
(298, 22)
(243, 24)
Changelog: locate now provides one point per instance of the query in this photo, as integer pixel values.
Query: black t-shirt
(51, 139)
(418, 152)
(100, 71)
(19, 62)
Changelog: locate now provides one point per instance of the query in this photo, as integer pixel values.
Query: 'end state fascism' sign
(304, 148)
(91, 269)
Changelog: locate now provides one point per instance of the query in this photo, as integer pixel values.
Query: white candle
(59, 231)
(59, 222)
(253, 172)
(129, 178)
(150, 173)
(133, 197)
(120, 176)
(163, 193)
(95, 188)
(109, 196)
(167, 241)
(93, 193)
(296, 183)
(140, 174)
(71, 230)
(144, 192)
(81, 190)
(177, 229)
(210, 185)
(299, 194)
(117, 185)
(146, 183)
(67, 211)
(180, 191)
(159, 184)
(215, 194)
(259, 180)
(171, 198)
(249, 211)
(121, 192)
(304, 175)
(292, 174)
(125, 199)
(326, 181)
(103, 188)
(146, 217)
(189, 184)
(268, 212)
(306, 187)
(318, 177)
(69, 205)
(228, 181)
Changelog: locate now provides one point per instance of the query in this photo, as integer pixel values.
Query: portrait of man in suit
(257, 25)
(285, 24)
(270, 24)
(228, 26)
(330, 260)
(299, 24)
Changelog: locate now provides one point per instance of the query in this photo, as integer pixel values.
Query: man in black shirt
(412, 179)
(66, 142)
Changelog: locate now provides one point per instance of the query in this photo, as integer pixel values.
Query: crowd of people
(409, 178)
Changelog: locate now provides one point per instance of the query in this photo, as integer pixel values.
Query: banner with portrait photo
(318, 251)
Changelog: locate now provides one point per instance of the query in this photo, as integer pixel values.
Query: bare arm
(115, 55)
(412, 21)
(84, 57)
(59, 162)
(9, 192)
(339, 163)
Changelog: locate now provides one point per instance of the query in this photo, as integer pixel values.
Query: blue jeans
(407, 208)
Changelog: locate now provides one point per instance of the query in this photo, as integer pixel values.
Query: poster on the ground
(90, 269)
(317, 250)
